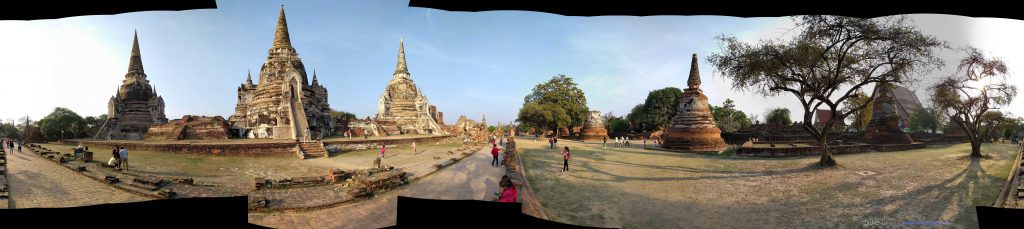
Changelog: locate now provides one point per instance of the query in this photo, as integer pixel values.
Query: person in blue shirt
(124, 159)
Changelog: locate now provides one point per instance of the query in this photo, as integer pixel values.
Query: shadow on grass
(959, 192)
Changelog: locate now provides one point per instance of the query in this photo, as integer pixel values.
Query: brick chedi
(136, 105)
(403, 109)
(693, 128)
(593, 128)
(284, 105)
(954, 133)
(885, 126)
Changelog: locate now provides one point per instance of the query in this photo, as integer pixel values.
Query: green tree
(660, 107)
(778, 116)
(618, 125)
(979, 85)
(93, 124)
(9, 130)
(492, 128)
(60, 123)
(563, 93)
(342, 115)
(543, 116)
(728, 118)
(636, 117)
(925, 119)
(830, 59)
(860, 118)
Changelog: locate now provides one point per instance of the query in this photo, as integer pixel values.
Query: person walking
(494, 154)
(19, 147)
(565, 158)
(414, 147)
(124, 159)
(604, 142)
(556, 140)
(509, 192)
(551, 143)
(382, 149)
(627, 140)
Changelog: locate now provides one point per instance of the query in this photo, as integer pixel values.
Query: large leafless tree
(979, 85)
(830, 60)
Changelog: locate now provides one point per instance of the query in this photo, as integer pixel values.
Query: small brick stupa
(593, 129)
(693, 128)
(954, 133)
(884, 127)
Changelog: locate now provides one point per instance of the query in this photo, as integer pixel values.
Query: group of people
(119, 159)
(619, 142)
(553, 142)
(10, 144)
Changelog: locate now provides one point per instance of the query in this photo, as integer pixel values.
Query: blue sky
(467, 63)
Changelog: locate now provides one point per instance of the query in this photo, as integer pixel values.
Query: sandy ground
(636, 188)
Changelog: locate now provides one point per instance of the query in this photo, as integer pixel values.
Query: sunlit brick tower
(693, 129)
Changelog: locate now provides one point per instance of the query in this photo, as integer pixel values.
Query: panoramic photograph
(322, 114)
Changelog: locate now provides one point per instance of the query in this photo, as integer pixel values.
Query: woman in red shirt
(509, 193)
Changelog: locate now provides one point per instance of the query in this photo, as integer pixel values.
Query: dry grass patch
(636, 188)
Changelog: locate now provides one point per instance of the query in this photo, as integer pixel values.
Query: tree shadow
(717, 174)
(957, 191)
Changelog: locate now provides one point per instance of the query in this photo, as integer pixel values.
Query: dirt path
(472, 178)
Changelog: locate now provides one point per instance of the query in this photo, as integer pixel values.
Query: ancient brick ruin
(136, 105)
(284, 105)
(885, 126)
(403, 109)
(593, 129)
(693, 128)
(954, 133)
(191, 128)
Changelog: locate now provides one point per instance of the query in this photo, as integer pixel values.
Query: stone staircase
(312, 149)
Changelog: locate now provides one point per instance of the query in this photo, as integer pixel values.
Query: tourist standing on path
(509, 192)
(124, 159)
(494, 154)
(627, 140)
(382, 149)
(551, 143)
(556, 140)
(413, 147)
(565, 158)
(604, 142)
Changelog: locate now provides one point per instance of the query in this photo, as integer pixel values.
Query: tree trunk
(826, 155)
(975, 148)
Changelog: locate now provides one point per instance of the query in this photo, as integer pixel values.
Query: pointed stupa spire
(135, 63)
(314, 78)
(248, 78)
(401, 68)
(694, 80)
(281, 38)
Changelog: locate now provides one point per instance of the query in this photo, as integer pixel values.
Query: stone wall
(799, 151)
(254, 149)
(190, 127)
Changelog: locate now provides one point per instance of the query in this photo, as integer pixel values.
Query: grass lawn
(239, 172)
(636, 188)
